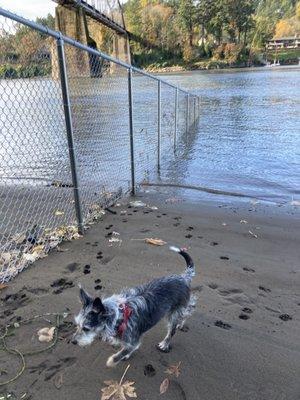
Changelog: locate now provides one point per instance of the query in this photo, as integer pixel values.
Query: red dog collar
(127, 311)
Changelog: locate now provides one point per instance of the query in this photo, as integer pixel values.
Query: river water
(248, 137)
(247, 140)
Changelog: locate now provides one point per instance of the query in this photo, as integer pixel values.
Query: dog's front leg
(123, 354)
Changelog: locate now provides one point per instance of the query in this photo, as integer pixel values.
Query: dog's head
(91, 319)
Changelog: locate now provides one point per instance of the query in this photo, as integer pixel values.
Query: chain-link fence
(78, 130)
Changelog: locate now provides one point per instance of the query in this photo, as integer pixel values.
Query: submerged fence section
(78, 130)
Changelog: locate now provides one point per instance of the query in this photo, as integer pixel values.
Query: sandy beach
(241, 343)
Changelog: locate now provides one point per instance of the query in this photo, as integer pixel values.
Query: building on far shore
(289, 42)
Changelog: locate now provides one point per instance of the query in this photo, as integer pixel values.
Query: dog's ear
(98, 306)
(85, 298)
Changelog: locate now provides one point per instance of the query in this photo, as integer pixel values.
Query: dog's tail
(190, 268)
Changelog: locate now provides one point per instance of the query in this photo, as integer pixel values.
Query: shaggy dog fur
(123, 318)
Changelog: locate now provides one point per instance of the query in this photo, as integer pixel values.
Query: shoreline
(236, 347)
(181, 70)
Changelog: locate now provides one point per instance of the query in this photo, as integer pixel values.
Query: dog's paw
(164, 347)
(110, 363)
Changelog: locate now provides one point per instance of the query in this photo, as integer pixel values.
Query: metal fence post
(158, 124)
(69, 129)
(175, 117)
(130, 104)
(187, 113)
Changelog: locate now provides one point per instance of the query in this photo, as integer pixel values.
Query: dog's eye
(85, 329)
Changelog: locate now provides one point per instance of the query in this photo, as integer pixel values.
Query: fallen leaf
(3, 286)
(58, 381)
(19, 238)
(58, 213)
(164, 386)
(46, 334)
(38, 248)
(118, 390)
(173, 370)
(156, 242)
(5, 258)
(29, 257)
(137, 204)
(243, 221)
(253, 234)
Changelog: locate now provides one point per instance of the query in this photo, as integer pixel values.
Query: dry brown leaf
(5, 257)
(137, 203)
(58, 213)
(19, 238)
(58, 380)
(29, 257)
(164, 386)
(46, 334)
(3, 286)
(173, 369)
(156, 242)
(118, 390)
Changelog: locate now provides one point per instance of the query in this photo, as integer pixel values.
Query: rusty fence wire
(78, 130)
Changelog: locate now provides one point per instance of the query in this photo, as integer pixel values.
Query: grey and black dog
(123, 318)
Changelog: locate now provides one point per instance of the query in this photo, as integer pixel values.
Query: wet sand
(242, 342)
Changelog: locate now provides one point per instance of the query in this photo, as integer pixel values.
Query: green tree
(187, 18)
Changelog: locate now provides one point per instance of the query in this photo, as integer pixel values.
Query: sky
(29, 8)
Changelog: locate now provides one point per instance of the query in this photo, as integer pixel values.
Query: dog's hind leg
(186, 312)
(123, 354)
(173, 321)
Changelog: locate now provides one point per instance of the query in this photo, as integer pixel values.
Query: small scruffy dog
(123, 318)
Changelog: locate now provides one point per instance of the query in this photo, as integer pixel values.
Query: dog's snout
(74, 341)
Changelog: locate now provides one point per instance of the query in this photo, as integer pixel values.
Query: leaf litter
(155, 241)
(25, 248)
(46, 334)
(118, 390)
(164, 386)
(172, 370)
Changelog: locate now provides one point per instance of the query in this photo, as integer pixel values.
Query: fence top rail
(59, 36)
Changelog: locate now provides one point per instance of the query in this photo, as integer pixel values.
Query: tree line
(187, 33)
(220, 29)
